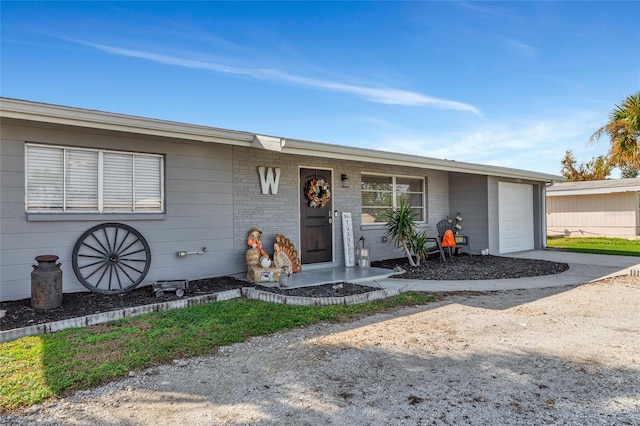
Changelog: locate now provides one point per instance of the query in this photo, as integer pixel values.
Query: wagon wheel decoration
(111, 258)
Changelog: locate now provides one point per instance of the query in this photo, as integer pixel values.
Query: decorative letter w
(269, 180)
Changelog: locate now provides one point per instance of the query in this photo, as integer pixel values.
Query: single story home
(598, 208)
(193, 193)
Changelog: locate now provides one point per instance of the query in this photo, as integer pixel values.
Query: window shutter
(118, 182)
(148, 183)
(81, 180)
(45, 178)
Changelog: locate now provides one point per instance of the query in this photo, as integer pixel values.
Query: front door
(316, 216)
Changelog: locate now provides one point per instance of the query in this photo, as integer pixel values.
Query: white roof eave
(598, 191)
(393, 158)
(63, 115)
(56, 114)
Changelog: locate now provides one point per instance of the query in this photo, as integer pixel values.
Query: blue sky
(513, 84)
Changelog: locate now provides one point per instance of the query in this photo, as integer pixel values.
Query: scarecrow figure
(259, 266)
(254, 241)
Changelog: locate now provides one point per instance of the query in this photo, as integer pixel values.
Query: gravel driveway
(567, 356)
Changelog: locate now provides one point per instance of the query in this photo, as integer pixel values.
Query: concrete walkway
(583, 268)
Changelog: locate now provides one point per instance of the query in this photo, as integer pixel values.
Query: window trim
(35, 213)
(107, 217)
(394, 192)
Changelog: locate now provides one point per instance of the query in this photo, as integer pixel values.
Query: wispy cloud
(482, 9)
(534, 143)
(383, 95)
(519, 47)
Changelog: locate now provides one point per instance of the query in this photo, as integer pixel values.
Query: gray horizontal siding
(213, 198)
(199, 198)
(468, 196)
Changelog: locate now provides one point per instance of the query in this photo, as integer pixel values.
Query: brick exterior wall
(280, 213)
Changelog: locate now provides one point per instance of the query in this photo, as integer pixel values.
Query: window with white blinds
(63, 179)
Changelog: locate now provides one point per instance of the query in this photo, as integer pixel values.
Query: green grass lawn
(39, 367)
(615, 246)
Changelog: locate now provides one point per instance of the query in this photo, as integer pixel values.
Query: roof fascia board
(598, 191)
(269, 143)
(56, 114)
(392, 158)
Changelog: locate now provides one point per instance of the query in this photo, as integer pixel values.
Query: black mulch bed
(20, 314)
(464, 267)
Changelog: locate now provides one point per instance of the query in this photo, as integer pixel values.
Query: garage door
(515, 210)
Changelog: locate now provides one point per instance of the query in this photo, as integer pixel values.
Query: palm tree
(623, 129)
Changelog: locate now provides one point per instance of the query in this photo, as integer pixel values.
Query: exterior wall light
(345, 180)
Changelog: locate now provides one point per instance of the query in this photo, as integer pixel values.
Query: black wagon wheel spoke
(101, 252)
(104, 271)
(115, 269)
(120, 252)
(113, 273)
(88, 265)
(101, 267)
(121, 242)
(123, 265)
(106, 238)
(124, 271)
(111, 258)
(101, 244)
(130, 253)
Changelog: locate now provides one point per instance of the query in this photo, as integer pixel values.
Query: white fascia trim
(598, 191)
(269, 143)
(393, 158)
(56, 114)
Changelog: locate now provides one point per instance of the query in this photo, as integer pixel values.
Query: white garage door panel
(515, 210)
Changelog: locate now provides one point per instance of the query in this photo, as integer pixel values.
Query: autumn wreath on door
(318, 193)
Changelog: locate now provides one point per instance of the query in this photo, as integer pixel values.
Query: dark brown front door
(316, 222)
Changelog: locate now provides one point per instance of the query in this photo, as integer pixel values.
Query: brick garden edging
(50, 327)
(265, 296)
(248, 292)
